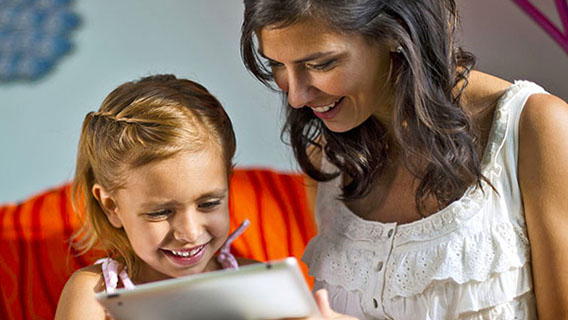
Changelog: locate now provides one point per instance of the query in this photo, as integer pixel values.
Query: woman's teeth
(186, 253)
(325, 108)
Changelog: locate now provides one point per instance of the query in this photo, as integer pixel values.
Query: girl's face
(175, 213)
(342, 78)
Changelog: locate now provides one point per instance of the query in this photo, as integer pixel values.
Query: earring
(398, 49)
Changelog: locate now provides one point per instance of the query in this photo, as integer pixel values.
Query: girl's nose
(187, 227)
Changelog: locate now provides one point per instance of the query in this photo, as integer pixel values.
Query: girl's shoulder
(90, 277)
(77, 300)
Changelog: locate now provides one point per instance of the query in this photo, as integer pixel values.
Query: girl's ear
(108, 204)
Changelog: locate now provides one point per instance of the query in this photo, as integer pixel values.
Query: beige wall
(509, 44)
(123, 40)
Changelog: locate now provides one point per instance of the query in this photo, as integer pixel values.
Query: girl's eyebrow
(151, 205)
(310, 57)
(213, 194)
(219, 193)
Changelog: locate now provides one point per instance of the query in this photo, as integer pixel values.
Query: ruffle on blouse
(473, 258)
(503, 293)
(522, 308)
(482, 270)
(327, 261)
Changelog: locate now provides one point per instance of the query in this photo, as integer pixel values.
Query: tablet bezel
(275, 289)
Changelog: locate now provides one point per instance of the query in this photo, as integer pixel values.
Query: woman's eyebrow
(310, 57)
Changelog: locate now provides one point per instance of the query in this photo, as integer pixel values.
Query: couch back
(36, 259)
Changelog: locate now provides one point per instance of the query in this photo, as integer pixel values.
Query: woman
(441, 189)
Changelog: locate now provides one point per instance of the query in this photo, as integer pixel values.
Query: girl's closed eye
(209, 205)
(159, 215)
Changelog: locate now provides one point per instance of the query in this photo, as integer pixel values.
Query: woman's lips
(328, 112)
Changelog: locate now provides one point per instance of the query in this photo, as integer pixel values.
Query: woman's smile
(329, 111)
(341, 78)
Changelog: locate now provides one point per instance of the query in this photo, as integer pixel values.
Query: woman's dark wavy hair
(428, 123)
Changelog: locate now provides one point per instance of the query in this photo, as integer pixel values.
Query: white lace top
(470, 260)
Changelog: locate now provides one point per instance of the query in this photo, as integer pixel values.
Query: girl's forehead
(181, 177)
(185, 163)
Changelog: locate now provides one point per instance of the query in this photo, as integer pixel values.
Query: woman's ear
(108, 204)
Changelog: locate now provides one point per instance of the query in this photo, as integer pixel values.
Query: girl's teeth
(186, 254)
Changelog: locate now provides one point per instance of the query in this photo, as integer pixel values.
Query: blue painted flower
(34, 35)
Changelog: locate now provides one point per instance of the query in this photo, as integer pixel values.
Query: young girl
(153, 167)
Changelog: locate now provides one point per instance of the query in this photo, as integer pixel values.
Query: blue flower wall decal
(34, 35)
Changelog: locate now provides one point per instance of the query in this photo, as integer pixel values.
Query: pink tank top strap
(225, 257)
(111, 275)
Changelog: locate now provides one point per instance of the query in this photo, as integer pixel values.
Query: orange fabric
(36, 260)
(277, 207)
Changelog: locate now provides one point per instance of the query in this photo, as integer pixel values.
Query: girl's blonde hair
(151, 119)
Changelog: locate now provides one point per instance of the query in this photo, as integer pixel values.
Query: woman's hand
(322, 300)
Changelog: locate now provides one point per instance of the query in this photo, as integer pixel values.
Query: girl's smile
(186, 257)
(175, 213)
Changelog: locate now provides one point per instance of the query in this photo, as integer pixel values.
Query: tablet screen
(270, 290)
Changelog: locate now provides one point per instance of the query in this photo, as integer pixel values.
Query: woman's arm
(543, 178)
(77, 300)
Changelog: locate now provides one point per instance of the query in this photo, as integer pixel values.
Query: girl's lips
(186, 257)
(331, 112)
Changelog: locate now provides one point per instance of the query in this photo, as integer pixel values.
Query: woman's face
(342, 78)
(175, 213)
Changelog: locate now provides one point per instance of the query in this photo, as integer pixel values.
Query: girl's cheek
(221, 223)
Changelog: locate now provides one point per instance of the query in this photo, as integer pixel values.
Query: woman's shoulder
(544, 118)
(77, 300)
(482, 92)
(479, 100)
(545, 106)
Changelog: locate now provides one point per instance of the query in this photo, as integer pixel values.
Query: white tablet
(271, 290)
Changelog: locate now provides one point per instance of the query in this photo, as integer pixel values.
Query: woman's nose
(187, 227)
(298, 87)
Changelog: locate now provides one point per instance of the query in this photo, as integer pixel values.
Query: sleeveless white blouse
(470, 260)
